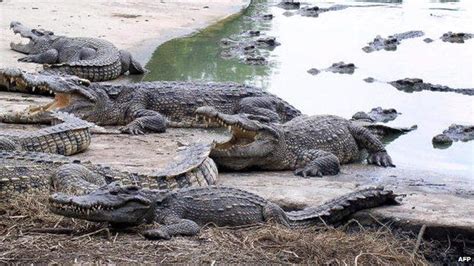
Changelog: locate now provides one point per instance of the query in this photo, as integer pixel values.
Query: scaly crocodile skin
(184, 211)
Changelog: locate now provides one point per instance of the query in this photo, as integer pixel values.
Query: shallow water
(308, 42)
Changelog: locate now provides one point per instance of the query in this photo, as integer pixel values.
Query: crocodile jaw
(249, 144)
(101, 206)
(61, 100)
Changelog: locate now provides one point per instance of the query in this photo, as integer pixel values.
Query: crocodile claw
(155, 234)
(25, 59)
(132, 129)
(381, 159)
(309, 171)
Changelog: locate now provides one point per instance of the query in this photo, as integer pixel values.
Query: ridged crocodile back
(106, 65)
(338, 209)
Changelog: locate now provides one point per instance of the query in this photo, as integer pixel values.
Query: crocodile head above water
(252, 142)
(111, 203)
(39, 40)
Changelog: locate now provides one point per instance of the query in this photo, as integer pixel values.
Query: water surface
(308, 42)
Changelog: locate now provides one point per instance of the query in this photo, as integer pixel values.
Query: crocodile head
(252, 142)
(112, 203)
(71, 94)
(15, 79)
(39, 40)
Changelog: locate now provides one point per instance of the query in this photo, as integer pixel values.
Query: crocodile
(184, 211)
(309, 145)
(67, 138)
(90, 58)
(377, 114)
(146, 106)
(391, 42)
(22, 171)
(340, 68)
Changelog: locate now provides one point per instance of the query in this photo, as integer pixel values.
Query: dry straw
(29, 233)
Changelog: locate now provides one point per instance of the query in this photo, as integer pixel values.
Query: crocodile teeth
(33, 89)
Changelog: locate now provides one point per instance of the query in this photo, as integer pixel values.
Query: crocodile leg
(145, 120)
(273, 212)
(48, 57)
(87, 53)
(317, 163)
(377, 153)
(173, 226)
(130, 64)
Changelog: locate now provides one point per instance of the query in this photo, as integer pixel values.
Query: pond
(318, 42)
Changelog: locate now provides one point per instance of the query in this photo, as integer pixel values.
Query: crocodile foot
(134, 128)
(380, 158)
(155, 234)
(26, 59)
(317, 171)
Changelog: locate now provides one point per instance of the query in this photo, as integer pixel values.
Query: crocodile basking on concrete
(67, 138)
(309, 145)
(184, 211)
(146, 106)
(90, 58)
(21, 171)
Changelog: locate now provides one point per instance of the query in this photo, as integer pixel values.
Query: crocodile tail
(336, 210)
(191, 167)
(69, 136)
(90, 72)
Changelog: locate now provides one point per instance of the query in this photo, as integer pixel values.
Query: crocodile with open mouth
(90, 58)
(142, 107)
(21, 171)
(184, 211)
(309, 145)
